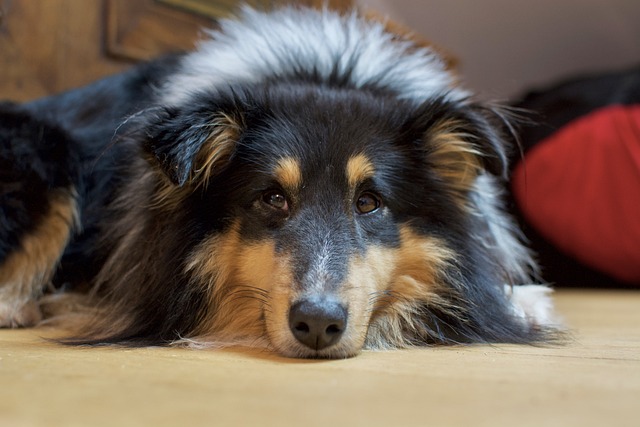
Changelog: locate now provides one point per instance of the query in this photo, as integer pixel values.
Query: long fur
(301, 169)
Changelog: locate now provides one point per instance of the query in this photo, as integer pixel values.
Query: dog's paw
(533, 303)
(14, 315)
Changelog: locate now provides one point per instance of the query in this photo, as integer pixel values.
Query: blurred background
(508, 46)
(503, 46)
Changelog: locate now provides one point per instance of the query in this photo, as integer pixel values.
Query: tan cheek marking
(421, 261)
(275, 274)
(212, 266)
(258, 265)
(288, 174)
(245, 282)
(416, 281)
(26, 271)
(368, 277)
(359, 169)
(212, 262)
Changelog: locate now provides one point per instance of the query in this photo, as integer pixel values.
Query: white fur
(290, 40)
(502, 236)
(533, 304)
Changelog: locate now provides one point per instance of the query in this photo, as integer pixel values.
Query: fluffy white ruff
(291, 41)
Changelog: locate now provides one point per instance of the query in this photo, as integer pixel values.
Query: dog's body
(303, 180)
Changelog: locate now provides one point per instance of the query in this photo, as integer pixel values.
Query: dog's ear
(465, 140)
(190, 146)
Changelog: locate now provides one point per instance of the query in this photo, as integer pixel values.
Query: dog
(304, 180)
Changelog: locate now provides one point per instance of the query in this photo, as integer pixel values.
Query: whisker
(242, 292)
(241, 297)
(251, 289)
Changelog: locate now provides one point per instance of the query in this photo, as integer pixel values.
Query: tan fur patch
(288, 174)
(25, 273)
(241, 281)
(416, 282)
(369, 276)
(453, 157)
(213, 266)
(359, 169)
(225, 131)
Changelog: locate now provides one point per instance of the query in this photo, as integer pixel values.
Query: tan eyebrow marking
(359, 168)
(288, 173)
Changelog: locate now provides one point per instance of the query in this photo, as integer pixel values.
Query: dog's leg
(26, 271)
(38, 209)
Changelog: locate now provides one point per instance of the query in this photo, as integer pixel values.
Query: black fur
(35, 158)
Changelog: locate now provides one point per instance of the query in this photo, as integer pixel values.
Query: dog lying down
(304, 180)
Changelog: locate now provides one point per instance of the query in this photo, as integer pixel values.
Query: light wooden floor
(592, 381)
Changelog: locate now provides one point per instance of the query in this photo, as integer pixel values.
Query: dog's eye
(367, 203)
(276, 199)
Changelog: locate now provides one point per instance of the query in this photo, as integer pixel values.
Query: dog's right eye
(368, 203)
(276, 199)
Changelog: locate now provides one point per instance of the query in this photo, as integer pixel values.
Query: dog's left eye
(276, 199)
(367, 203)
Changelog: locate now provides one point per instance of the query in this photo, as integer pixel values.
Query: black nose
(317, 323)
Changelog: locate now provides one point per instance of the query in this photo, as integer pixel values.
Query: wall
(506, 46)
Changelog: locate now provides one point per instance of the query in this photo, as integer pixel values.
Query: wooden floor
(592, 381)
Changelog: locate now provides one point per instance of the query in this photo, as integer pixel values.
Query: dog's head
(328, 218)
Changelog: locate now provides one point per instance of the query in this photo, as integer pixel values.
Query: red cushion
(580, 188)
